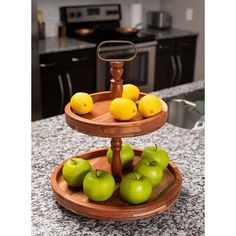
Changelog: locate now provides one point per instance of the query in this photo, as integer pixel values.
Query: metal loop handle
(116, 42)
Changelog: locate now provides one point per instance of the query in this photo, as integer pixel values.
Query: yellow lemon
(149, 105)
(123, 109)
(130, 91)
(81, 103)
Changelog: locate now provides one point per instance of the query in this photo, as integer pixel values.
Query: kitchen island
(53, 141)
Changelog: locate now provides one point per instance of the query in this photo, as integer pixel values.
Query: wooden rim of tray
(103, 125)
(117, 212)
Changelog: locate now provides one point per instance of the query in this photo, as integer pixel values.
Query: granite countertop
(180, 89)
(53, 141)
(56, 44)
(169, 33)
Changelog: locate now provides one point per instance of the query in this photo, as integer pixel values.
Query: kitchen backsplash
(50, 10)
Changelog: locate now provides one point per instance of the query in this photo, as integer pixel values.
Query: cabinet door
(52, 94)
(80, 79)
(62, 75)
(52, 86)
(165, 71)
(80, 72)
(185, 59)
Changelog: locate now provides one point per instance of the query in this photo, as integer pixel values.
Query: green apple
(126, 155)
(158, 154)
(135, 188)
(99, 185)
(151, 169)
(74, 171)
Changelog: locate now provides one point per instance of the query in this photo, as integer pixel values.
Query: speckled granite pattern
(180, 89)
(55, 44)
(170, 33)
(54, 141)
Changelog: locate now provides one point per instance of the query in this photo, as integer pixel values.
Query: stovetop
(104, 18)
(99, 37)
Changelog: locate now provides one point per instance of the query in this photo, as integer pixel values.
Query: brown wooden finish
(116, 86)
(99, 121)
(163, 196)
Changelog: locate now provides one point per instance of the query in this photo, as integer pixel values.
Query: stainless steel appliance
(140, 71)
(105, 19)
(158, 19)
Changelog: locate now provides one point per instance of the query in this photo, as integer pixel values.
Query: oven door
(140, 71)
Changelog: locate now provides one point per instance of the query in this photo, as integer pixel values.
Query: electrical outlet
(189, 14)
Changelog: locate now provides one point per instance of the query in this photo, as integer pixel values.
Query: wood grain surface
(116, 86)
(99, 121)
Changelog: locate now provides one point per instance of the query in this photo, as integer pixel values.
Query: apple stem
(73, 161)
(134, 175)
(156, 147)
(97, 173)
(153, 163)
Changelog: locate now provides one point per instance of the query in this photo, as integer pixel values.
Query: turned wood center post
(116, 86)
(116, 167)
(116, 89)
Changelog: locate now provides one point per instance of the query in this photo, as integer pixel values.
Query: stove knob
(71, 15)
(78, 14)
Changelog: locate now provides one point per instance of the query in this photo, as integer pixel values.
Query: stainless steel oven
(140, 71)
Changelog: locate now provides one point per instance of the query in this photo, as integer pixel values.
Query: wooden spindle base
(116, 86)
(116, 161)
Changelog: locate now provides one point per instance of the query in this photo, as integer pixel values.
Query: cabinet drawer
(50, 62)
(80, 57)
(65, 60)
(166, 45)
(186, 43)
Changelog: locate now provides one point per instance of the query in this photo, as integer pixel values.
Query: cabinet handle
(174, 70)
(184, 44)
(62, 93)
(163, 46)
(69, 84)
(43, 65)
(180, 69)
(77, 59)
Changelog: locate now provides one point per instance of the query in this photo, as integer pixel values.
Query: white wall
(177, 9)
(50, 10)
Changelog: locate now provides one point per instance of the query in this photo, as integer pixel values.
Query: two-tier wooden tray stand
(99, 122)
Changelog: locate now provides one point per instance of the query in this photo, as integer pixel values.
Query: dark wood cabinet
(185, 57)
(62, 75)
(81, 79)
(53, 94)
(175, 61)
(164, 70)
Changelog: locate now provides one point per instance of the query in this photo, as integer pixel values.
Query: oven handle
(122, 51)
(123, 47)
(116, 42)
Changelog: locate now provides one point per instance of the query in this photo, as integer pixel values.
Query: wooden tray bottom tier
(163, 196)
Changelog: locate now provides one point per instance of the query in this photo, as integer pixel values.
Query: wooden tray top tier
(162, 199)
(99, 121)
